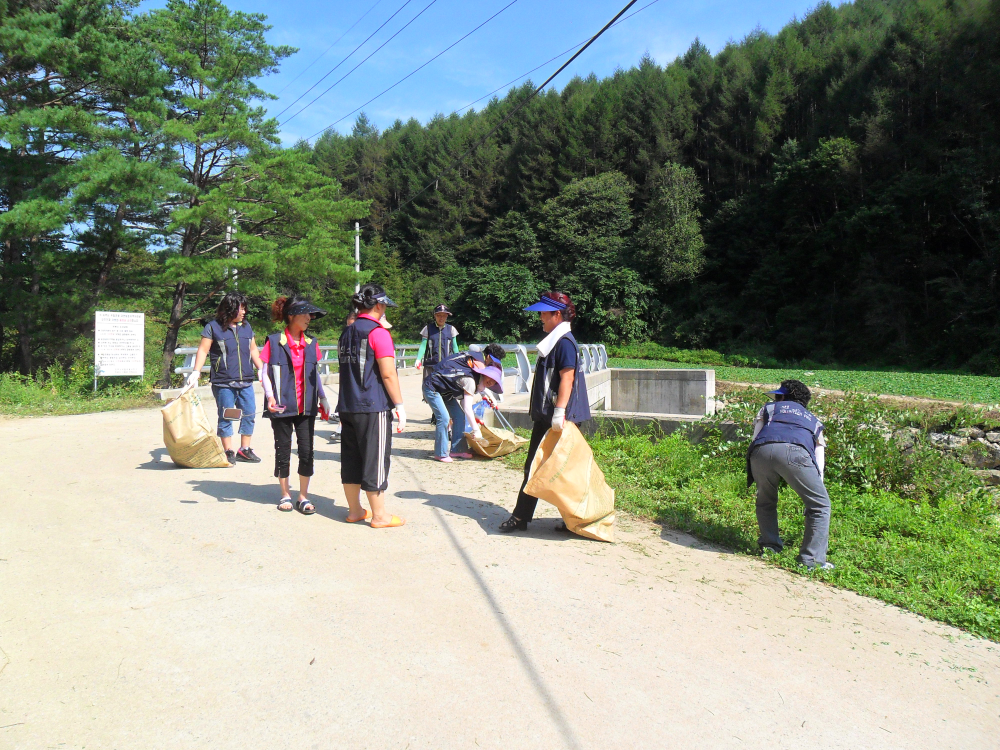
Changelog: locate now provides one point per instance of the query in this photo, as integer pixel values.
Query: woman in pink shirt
(294, 393)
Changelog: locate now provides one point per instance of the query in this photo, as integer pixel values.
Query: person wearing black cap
(438, 340)
(558, 390)
(294, 392)
(788, 443)
(369, 395)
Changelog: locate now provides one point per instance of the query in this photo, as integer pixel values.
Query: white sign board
(118, 344)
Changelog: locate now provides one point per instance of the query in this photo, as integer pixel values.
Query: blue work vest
(281, 363)
(360, 388)
(545, 388)
(445, 376)
(787, 422)
(440, 344)
(229, 355)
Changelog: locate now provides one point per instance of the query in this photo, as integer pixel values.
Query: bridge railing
(595, 358)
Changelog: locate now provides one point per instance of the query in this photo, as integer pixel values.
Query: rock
(970, 432)
(947, 442)
(993, 437)
(905, 439)
(989, 476)
(982, 455)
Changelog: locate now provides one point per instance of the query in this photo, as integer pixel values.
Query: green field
(975, 389)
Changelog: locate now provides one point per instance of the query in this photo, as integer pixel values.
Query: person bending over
(449, 390)
(369, 394)
(788, 443)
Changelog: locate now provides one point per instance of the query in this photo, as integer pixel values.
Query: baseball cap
(442, 309)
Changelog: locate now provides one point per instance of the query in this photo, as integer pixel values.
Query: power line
(417, 70)
(330, 87)
(323, 53)
(513, 112)
(551, 59)
(345, 59)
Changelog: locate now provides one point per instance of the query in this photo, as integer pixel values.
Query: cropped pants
(303, 426)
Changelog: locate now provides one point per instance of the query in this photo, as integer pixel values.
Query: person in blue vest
(450, 389)
(229, 344)
(788, 443)
(294, 394)
(369, 396)
(558, 391)
(437, 341)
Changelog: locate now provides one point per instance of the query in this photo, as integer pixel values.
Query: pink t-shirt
(298, 352)
(381, 340)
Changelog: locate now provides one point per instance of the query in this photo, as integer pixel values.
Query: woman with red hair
(558, 390)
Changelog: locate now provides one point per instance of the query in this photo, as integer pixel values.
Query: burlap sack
(564, 473)
(190, 439)
(496, 442)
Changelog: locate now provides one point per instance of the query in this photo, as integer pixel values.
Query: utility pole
(233, 252)
(357, 254)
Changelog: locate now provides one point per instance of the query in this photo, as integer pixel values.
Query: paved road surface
(145, 606)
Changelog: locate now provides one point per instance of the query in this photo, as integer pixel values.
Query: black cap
(442, 309)
(302, 307)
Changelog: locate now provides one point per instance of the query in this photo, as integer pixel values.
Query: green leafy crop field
(968, 388)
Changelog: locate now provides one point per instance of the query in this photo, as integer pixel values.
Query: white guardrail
(595, 358)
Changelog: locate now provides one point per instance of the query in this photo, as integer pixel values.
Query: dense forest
(828, 193)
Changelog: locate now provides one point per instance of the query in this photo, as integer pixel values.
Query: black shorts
(365, 445)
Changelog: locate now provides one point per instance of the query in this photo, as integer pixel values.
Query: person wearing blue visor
(788, 443)
(558, 390)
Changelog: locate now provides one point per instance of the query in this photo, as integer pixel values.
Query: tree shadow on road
(488, 515)
(230, 492)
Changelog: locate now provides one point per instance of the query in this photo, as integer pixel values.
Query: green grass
(969, 388)
(914, 529)
(26, 397)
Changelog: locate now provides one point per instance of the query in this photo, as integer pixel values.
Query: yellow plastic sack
(190, 439)
(496, 442)
(564, 473)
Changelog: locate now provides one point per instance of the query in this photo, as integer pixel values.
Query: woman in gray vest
(369, 395)
(558, 390)
(788, 443)
(294, 393)
(228, 342)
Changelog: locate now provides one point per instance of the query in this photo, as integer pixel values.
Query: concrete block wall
(663, 391)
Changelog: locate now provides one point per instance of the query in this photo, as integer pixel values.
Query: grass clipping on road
(916, 529)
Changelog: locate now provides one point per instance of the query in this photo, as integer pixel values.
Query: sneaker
(461, 455)
(231, 455)
(820, 566)
(247, 454)
(444, 459)
(513, 524)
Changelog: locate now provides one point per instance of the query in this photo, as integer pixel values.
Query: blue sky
(525, 35)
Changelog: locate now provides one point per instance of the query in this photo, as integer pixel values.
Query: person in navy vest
(369, 395)
(788, 443)
(294, 394)
(449, 389)
(229, 344)
(558, 390)
(438, 340)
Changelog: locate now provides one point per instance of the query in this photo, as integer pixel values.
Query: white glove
(489, 398)
(326, 406)
(400, 413)
(419, 364)
(558, 418)
(192, 379)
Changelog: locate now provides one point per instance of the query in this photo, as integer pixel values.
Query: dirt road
(145, 606)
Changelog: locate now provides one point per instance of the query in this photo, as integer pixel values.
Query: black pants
(525, 507)
(365, 449)
(303, 426)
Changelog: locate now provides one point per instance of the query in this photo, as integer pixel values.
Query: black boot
(513, 524)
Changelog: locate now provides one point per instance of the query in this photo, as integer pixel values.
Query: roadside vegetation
(910, 526)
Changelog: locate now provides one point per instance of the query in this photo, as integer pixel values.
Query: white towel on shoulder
(547, 344)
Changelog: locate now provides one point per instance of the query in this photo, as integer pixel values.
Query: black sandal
(282, 502)
(513, 524)
(301, 505)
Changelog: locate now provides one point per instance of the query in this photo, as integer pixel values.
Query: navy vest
(545, 388)
(440, 344)
(444, 378)
(229, 355)
(360, 383)
(787, 422)
(281, 363)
